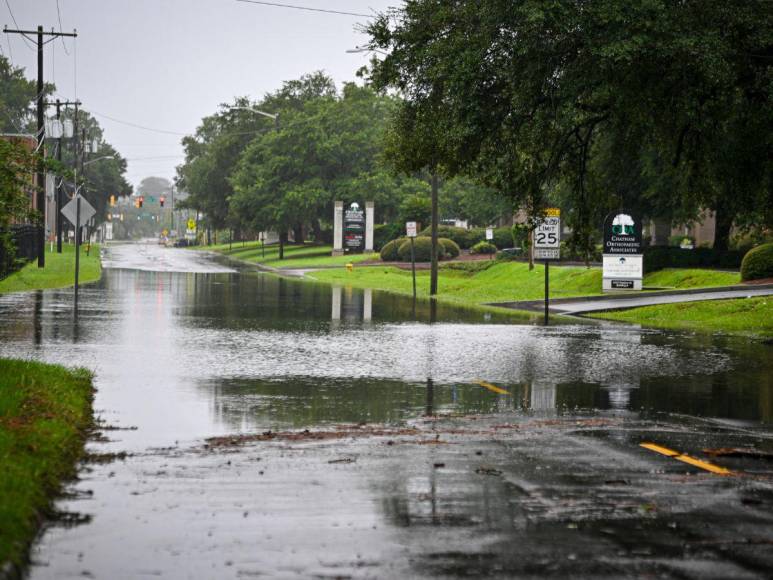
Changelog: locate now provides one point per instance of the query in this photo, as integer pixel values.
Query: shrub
(659, 257)
(483, 248)
(758, 263)
(451, 248)
(458, 235)
(383, 233)
(422, 250)
(472, 237)
(389, 253)
(503, 238)
(676, 241)
(570, 254)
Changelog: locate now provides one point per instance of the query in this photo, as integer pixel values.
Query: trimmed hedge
(483, 248)
(659, 257)
(458, 235)
(503, 238)
(758, 263)
(383, 233)
(390, 249)
(422, 250)
(451, 247)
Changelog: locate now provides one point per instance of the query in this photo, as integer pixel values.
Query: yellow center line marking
(492, 388)
(687, 459)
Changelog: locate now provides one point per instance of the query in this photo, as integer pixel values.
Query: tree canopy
(664, 105)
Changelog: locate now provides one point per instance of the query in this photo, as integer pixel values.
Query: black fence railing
(22, 248)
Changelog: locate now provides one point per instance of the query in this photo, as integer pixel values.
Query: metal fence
(18, 247)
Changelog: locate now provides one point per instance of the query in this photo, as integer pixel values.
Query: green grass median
(748, 316)
(45, 413)
(59, 271)
(300, 256)
(481, 283)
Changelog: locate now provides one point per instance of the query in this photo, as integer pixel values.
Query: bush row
(659, 257)
(400, 249)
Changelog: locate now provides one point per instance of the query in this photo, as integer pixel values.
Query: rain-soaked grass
(739, 316)
(295, 256)
(45, 412)
(510, 281)
(59, 271)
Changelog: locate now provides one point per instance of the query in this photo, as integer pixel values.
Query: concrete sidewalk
(587, 304)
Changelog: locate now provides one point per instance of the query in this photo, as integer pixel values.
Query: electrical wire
(59, 16)
(24, 36)
(278, 5)
(136, 126)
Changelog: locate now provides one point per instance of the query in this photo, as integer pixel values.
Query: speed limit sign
(547, 235)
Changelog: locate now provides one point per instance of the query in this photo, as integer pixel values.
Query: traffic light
(161, 200)
(140, 200)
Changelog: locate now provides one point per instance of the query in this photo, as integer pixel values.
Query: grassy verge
(58, 273)
(45, 411)
(751, 316)
(305, 256)
(474, 283)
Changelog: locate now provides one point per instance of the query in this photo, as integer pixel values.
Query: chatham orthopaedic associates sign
(623, 263)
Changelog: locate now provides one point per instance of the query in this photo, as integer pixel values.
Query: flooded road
(281, 428)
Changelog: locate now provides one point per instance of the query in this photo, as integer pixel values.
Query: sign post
(623, 260)
(77, 211)
(410, 230)
(490, 239)
(547, 246)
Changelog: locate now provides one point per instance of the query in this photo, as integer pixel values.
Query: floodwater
(384, 456)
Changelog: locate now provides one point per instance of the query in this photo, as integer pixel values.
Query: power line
(136, 126)
(278, 5)
(59, 16)
(16, 24)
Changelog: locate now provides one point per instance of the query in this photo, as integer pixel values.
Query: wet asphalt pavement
(283, 429)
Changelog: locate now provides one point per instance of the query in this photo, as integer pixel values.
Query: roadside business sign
(354, 230)
(623, 261)
(489, 234)
(411, 229)
(622, 234)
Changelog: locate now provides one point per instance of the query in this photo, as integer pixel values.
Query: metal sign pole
(547, 291)
(413, 270)
(77, 243)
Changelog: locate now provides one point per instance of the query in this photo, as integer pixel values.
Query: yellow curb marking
(492, 388)
(687, 459)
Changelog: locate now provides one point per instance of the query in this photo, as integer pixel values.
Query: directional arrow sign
(87, 211)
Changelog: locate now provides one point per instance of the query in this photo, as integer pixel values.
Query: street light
(259, 112)
(98, 159)
(359, 49)
(276, 126)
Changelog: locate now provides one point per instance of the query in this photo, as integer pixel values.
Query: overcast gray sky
(165, 64)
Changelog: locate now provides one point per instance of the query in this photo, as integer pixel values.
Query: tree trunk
(209, 236)
(317, 229)
(298, 233)
(724, 223)
(433, 254)
(282, 240)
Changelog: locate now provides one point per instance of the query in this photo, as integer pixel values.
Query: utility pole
(58, 191)
(41, 176)
(58, 188)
